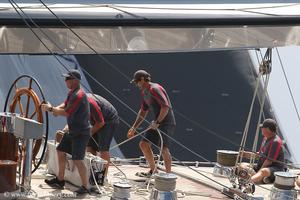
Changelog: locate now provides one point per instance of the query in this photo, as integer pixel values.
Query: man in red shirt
(155, 98)
(270, 155)
(76, 109)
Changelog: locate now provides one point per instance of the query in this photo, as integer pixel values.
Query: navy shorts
(74, 145)
(153, 136)
(101, 140)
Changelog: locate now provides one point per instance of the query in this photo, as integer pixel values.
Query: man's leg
(166, 132)
(79, 144)
(65, 146)
(298, 182)
(82, 172)
(61, 164)
(167, 159)
(105, 155)
(104, 138)
(147, 151)
(258, 177)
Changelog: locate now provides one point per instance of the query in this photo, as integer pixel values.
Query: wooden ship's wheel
(27, 103)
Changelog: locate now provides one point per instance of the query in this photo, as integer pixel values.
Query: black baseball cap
(73, 74)
(269, 123)
(139, 74)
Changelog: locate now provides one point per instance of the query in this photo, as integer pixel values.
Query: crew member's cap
(269, 123)
(138, 76)
(73, 74)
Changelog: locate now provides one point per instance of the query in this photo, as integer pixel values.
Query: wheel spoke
(32, 115)
(20, 106)
(27, 106)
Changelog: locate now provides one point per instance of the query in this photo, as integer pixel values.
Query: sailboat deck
(190, 185)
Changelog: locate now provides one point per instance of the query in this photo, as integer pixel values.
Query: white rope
(127, 140)
(120, 171)
(95, 80)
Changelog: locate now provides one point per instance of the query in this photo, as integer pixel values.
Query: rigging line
(112, 95)
(95, 79)
(269, 98)
(254, 147)
(261, 111)
(89, 46)
(202, 174)
(261, 55)
(267, 93)
(126, 12)
(96, 52)
(49, 49)
(55, 6)
(246, 129)
(262, 13)
(253, 73)
(206, 129)
(43, 42)
(198, 155)
(195, 170)
(135, 111)
(57, 55)
(259, 100)
(23, 7)
(101, 57)
(288, 84)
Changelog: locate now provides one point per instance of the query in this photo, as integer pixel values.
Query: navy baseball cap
(73, 74)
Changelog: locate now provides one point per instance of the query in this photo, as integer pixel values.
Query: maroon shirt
(77, 106)
(271, 148)
(155, 97)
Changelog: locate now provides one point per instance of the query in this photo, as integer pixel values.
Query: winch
(284, 186)
(121, 191)
(164, 187)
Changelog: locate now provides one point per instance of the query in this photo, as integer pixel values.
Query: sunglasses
(69, 78)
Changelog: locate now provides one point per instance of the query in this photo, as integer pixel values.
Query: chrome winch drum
(121, 191)
(164, 187)
(279, 194)
(285, 180)
(284, 186)
(163, 195)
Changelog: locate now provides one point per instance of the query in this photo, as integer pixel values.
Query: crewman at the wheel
(77, 110)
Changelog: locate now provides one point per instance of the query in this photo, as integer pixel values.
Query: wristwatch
(50, 109)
